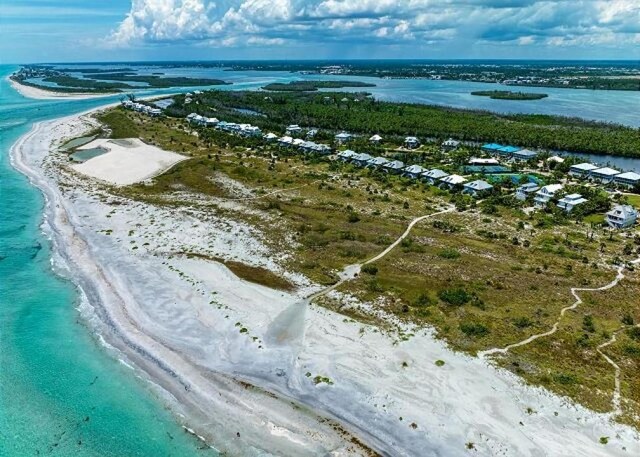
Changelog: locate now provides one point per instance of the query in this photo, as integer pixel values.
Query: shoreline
(201, 360)
(42, 94)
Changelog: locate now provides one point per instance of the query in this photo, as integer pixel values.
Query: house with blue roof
(491, 148)
(507, 151)
(477, 188)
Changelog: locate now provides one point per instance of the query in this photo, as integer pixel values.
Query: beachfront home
(507, 151)
(346, 155)
(450, 144)
(433, 176)
(622, 216)
(361, 159)
(524, 191)
(604, 175)
(414, 171)
(491, 148)
(270, 137)
(297, 142)
(395, 166)
(285, 141)
(411, 142)
(628, 179)
(377, 162)
(375, 139)
(524, 155)
(211, 121)
(477, 188)
(545, 194)
(311, 134)
(343, 137)
(293, 130)
(556, 159)
(582, 170)
(452, 181)
(483, 161)
(568, 202)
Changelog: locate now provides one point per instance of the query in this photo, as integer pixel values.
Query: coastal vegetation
(360, 114)
(483, 276)
(310, 86)
(509, 95)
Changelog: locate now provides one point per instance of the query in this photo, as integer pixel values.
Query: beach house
(285, 141)
(604, 175)
(411, 142)
(477, 188)
(507, 151)
(414, 171)
(361, 159)
(628, 179)
(582, 170)
(524, 191)
(211, 122)
(375, 139)
(293, 130)
(311, 134)
(343, 137)
(568, 202)
(491, 148)
(545, 194)
(622, 216)
(452, 181)
(450, 144)
(346, 155)
(377, 162)
(269, 137)
(524, 155)
(435, 175)
(394, 166)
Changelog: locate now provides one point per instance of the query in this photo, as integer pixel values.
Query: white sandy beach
(41, 94)
(196, 330)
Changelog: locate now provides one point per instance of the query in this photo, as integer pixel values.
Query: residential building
(343, 137)
(211, 122)
(361, 159)
(285, 141)
(450, 144)
(483, 161)
(491, 148)
(604, 175)
(346, 155)
(524, 155)
(414, 171)
(507, 151)
(452, 181)
(311, 134)
(477, 188)
(395, 166)
(377, 162)
(628, 179)
(582, 170)
(293, 130)
(568, 202)
(545, 194)
(622, 216)
(375, 139)
(411, 142)
(524, 191)
(269, 137)
(435, 175)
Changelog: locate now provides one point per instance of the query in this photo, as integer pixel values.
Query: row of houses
(300, 144)
(141, 108)
(604, 175)
(245, 130)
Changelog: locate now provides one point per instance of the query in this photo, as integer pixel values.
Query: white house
(414, 171)
(270, 137)
(628, 179)
(582, 170)
(361, 159)
(343, 137)
(483, 161)
(377, 162)
(375, 139)
(452, 181)
(411, 142)
(433, 176)
(568, 202)
(293, 130)
(211, 122)
(450, 144)
(524, 155)
(523, 192)
(311, 134)
(346, 155)
(622, 216)
(395, 166)
(605, 175)
(285, 141)
(477, 188)
(297, 142)
(545, 194)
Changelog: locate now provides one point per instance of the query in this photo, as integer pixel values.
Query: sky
(119, 30)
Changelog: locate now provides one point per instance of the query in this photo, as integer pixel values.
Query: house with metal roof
(545, 194)
(507, 151)
(411, 142)
(433, 176)
(293, 130)
(568, 202)
(477, 188)
(524, 155)
(582, 170)
(452, 181)
(604, 175)
(394, 166)
(346, 155)
(622, 216)
(450, 144)
(628, 179)
(343, 137)
(526, 190)
(377, 162)
(375, 139)
(414, 171)
(361, 159)
(285, 141)
(270, 136)
(491, 148)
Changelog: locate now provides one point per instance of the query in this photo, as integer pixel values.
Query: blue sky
(81, 30)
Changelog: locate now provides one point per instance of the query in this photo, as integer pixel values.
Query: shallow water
(60, 392)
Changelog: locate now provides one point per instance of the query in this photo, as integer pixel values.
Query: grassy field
(483, 277)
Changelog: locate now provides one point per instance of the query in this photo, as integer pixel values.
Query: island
(309, 86)
(509, 95)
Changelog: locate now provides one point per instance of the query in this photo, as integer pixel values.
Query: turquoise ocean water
(61, 394)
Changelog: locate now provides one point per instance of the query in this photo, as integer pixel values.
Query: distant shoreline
(42, 94)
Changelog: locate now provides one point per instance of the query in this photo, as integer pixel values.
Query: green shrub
(449, 253)
(455, 297)
(474, 329)
(370, 269)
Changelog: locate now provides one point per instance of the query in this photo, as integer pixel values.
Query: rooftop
(605, 171)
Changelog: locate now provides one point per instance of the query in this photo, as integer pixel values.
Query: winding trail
(574, 291)
(351, 271)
